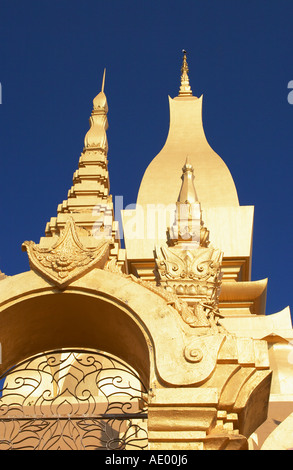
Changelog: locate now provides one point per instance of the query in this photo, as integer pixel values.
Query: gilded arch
(188, 370)
(101, 309)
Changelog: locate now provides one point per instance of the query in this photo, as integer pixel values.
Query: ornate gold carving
(195, 272)
(194, 276)
(67, 259)
(189, 267)
(190, 315)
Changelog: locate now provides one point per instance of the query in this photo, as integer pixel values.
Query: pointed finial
(100, 101)
(185, 89)
(103, 82)
(187, 165)
(187, 192)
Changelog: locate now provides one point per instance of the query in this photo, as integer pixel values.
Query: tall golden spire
(185, 89)
(85, 220)
(89, 201)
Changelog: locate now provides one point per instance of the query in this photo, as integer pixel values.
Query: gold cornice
(251, 294)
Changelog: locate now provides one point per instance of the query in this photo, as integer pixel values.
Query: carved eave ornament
(67, 260)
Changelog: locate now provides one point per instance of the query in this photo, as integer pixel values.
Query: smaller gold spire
(186, 227)
(185, 89)
(187, 193)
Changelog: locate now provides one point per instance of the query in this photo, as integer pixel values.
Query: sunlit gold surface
(178, 304)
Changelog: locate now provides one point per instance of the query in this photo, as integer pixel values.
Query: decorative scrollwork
(193, 354)
(73, 399)
(203, 352)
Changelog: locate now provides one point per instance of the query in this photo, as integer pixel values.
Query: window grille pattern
(73, 399)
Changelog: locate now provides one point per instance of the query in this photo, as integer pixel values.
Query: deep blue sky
(240, 56)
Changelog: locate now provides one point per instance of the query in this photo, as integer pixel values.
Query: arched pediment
(102, 310)
(114, 313)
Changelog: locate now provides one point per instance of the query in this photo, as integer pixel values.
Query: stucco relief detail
(67, 259)
(193, 276)
(200, 268)
(203, 352)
